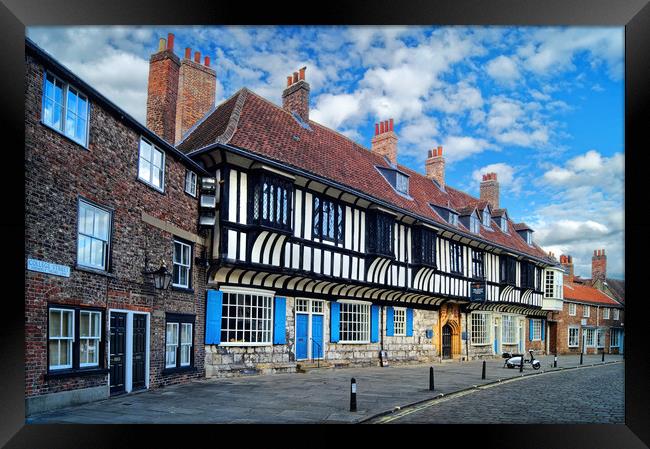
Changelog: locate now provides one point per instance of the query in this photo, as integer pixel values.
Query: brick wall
(59, 171)
(564, 321)
(196, 95)
(162, 95)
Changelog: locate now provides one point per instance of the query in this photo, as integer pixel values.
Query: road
(576, 396)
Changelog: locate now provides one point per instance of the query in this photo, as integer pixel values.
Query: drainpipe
(467, 339)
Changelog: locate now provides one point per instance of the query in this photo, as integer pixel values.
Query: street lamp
(161, 277)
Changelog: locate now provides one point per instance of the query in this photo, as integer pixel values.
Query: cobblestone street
(580, 396)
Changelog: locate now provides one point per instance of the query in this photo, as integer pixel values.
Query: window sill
(94, 271)
(152, 186)
(76, 373)
(182, 289)
(183, 370)
(355, 342)
(68, 138)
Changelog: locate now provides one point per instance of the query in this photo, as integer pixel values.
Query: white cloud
(461, 147)
(506, 175)
(334, 110)
(503, 69)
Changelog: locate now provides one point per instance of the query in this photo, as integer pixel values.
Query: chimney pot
(302, 73)
(161, 44)
(381, 127)
(295, 98)
(188, 52)
(288, 81)
(376, 128)
(391, 124)
(197, 57)
(295, 77)
(206, 61)
(170, 41)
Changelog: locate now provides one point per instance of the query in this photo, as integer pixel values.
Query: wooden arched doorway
(449, 331)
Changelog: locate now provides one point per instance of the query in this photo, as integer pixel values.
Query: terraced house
(287, 241)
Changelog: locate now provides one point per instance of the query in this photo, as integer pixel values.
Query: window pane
(66, 324)
(48, 106)
(155, 179)
(84, 324)
(186, 334)
(82, 107)
(97, 253)
(80, 133)
(145, 150)
(58, 92)
(54, 352)
(65, 355)
(55, 323)
(157, 158)
(186, 255)
(72, 101)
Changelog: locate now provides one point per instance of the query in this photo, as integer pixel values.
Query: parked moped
(515, 360)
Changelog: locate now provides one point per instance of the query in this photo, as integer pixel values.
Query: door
(139, 350)
(446, 341)
(317, 336)
(302, 330)
(118, 352)
(552, 338)
(496, 339)
(521, 338)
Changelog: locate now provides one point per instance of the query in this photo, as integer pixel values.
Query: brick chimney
(435, 166)
(567, 264)
(196, 92)
(295, 98)
(599, 265)
(162, 90)
(384, 142)
(490, 190)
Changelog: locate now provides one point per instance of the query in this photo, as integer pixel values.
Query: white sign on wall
(48, 267)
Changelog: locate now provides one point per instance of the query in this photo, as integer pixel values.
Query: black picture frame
(633, 14)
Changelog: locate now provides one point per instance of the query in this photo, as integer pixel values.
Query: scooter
(515, 360)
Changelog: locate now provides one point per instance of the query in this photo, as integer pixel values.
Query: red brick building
(107, 201)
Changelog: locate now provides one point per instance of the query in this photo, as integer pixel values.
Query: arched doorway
(446, 341)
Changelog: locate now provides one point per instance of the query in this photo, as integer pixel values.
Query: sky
(541, 107)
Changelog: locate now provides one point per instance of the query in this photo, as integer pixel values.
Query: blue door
(302, 321)
(317, 336)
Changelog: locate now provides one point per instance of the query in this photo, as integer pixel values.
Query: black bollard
(431, 378)
(521, 364)
(603, 358)
(483, 374)
(581, 358)
(555, 361)
(353, 395)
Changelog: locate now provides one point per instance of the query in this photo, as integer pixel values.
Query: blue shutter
(213, 308)
(409, 322)
(543, 328)
(279, 318)
(374, 324)
(390, 322)
(335, 314)
(530, 330)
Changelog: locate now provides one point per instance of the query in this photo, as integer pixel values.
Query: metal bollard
(521, 364)
(581, 358)
(603, 358)
(483, 374)
(555, 361)
(353, 395)
(431, 378)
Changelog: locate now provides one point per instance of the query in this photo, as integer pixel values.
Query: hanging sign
(477, 291)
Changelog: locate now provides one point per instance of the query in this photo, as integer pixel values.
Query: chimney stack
(295, 97)
(490, 190)
(179, 93)
(567, 264)
(384, 142)
(599, 266)
(435, 166)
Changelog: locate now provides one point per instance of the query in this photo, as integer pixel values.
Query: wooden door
(118, 352)
(139, 350)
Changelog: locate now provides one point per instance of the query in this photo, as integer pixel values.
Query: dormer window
(504, 224)
(397, 179)
(529, 238)
(486, 217)
(402, 183)
(453, 218)
(474, 225)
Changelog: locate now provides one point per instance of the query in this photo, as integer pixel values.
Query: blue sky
(541, 107)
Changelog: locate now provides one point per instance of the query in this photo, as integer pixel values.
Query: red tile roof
(586, 293)
(253, 123)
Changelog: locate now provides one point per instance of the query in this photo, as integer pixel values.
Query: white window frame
(605, 313)
(96, 336)
(614, 338)
(106, 245)
(537, 329)
(186, 345)
(486, 218)
(182, 266)
(171, 343)
(572, 309)
(577, 336)
(362, 310)
(616, 315)
(401, 183)
(267, 317)
(511, 321)
(64, 109)
(586, 312)
(504, 225)
(399, 321)
(599, 332)
(150, 182)
(590, 331)
(483, 328)
(190, 188)
(70, 339)
(474, 224)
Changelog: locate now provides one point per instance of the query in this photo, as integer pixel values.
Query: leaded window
(572, 309)
(455, 257)
(93, 237)
(151, 168)
(480, 335)
(424, 246)
(246, 319)
(527, 275)
(537, 330)
(65, 109)
(508, 270)
(399, 320)
(379, 231)
(182, 264)
(574, 337)
(272, 201)
(328, 219)
(509, 329)
(477, 264)
(354, 325)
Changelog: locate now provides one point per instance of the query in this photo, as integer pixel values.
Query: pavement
(318, 396)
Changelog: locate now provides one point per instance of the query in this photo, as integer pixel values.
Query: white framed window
(614, 338)
(89, 338)
(549, 290)
(574, 336)
(504, 225)
(317, 306)
(246, 318)
(354, 324)
(486, 217)
(600, 338)
(190, 182)
(65, 109)
(151, 167)
(61, 338)
(616, 314)
(537, 329)
(399, 319)
(606, 313)
(186, 343)
(585, 311)
(572, 309)
(171, 345)
(589, 337)
(474, 224)
(402, 183)
(93, 236)
(480, 333)
(181, 264)
(509, 331)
